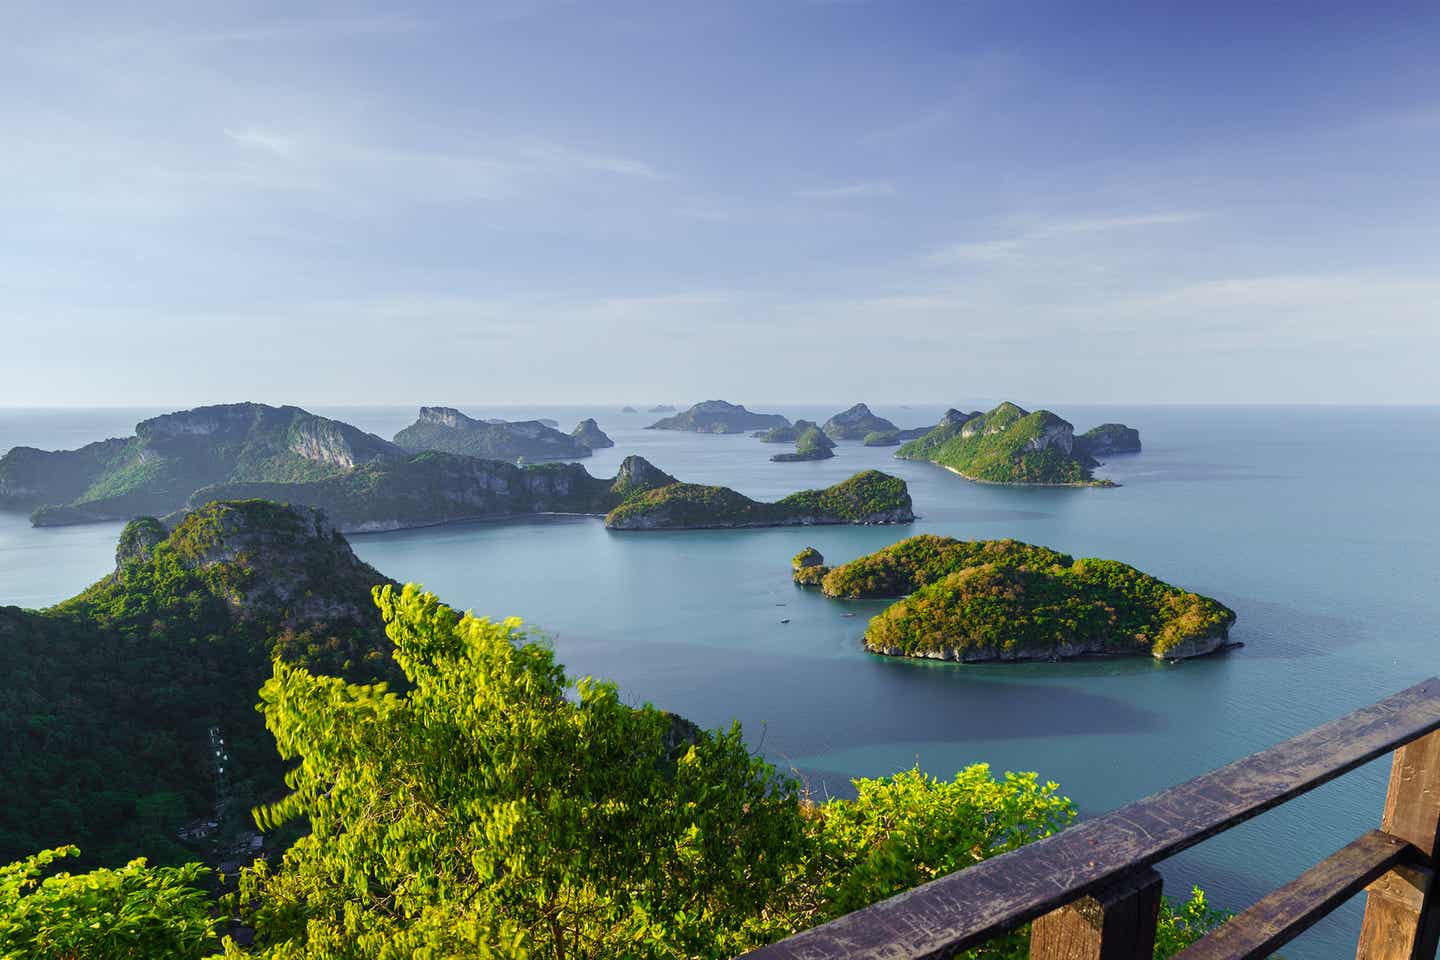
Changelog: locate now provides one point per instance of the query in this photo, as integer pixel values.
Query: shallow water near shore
(1317, 525)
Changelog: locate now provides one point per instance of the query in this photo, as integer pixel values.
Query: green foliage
(1179, 926)
(882, 438)
(867, 497)
(110, 696)
(811, 444)
(1006, 445)
(540, 814)
(136, 912)
(999, 597)
(809, 557)
(450, 431)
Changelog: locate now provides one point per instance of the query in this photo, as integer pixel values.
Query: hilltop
(1008, 445)
(447, 430)
(1006, 600)
(588, 433)
(717, 416)
(855, 423)
(866, 498)
(172, 456)
(811, 444)
(112, 694)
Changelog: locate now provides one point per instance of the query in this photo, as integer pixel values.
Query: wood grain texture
(967, 908)
(1294, 908)
(1116, 922)
(1402, 917)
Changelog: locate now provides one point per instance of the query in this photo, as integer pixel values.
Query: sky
(526, 201)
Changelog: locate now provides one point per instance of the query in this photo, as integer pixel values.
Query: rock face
(870, 497)
(855, 423)
(810, 445)
(808, 567)
(717, 416)
(1107, 439)
(434, 488)
(138, 540)
(589, 435)
(983, 600)
(447, 430)
(172, 456)
(1007, 445)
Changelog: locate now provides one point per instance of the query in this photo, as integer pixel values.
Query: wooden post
(1117, 922)
(1402, 918)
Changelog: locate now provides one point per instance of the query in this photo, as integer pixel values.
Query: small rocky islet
(1002, 600)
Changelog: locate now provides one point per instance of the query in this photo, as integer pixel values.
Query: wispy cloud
(1005, 248)
(864, 190)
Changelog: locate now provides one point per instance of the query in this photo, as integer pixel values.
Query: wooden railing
(1093, 893)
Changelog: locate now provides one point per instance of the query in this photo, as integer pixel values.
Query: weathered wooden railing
(1093, 894)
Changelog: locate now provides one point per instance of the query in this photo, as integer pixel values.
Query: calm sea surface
(1320, 526)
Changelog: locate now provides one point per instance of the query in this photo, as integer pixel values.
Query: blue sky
(782, 200)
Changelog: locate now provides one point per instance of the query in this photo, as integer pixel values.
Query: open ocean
(1320, 526)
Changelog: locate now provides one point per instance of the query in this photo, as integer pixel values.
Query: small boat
(847, 614)
(785, 620)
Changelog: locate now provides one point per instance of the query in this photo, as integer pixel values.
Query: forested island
(588, 433)
(1012, 445)
(811, 444)
(717, 416)
(979, 600)
(447, 430)
(866, 498)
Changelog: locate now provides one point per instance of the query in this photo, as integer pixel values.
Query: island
(1107, 439)
(1007, 445)
(172, 456)
(717, 416)
(447, 430)
(810, 445)
(435, 488)
(786, 434)
(870, 497)
(662, 408)
(588, 434)
(134, 684)
(855, 423)
(628, 409)
(981, 600)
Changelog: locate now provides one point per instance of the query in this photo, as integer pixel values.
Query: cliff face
(447, 430)
(173, 455)
(717, 416)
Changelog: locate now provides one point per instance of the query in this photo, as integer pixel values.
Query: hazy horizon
(546, 202)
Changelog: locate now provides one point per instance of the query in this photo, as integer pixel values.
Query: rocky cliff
(588, 434)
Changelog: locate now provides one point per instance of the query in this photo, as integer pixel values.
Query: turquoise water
(1318, 525)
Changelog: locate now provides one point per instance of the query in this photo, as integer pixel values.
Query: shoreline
(1018, 483)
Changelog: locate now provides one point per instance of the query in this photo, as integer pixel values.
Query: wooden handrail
(970, 906)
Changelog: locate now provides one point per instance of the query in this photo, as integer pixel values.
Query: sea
(1319, 525)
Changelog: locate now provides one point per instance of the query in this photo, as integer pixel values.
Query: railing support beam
(1402, 915)
(1116, 922)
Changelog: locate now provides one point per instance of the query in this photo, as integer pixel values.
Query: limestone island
(589, 435)
(980, 600)
(870, 497)
(717, 416)
(628, 409)
(181, 461)
(1012, 445)
(662, 408)
(810, 445)
(447, 430)
(855, 423)
(1108, 438)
